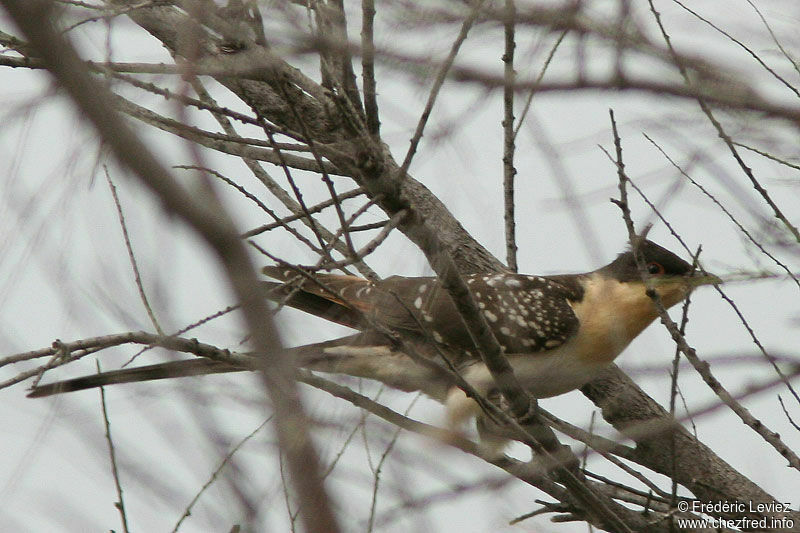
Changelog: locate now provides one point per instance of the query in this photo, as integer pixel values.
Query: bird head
(671, 277)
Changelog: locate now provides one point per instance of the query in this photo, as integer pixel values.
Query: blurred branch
(132, 256)
(210, 220)
(702, 101)
(444, 70)
(368, 66)
(702, 368)
(222, 143)
(112, 453)
(214, 475)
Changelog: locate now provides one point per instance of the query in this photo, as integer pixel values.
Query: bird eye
(655, 269)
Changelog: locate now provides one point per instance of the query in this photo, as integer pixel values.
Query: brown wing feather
(341, 299)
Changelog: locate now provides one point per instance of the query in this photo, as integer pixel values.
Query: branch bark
(210, 220)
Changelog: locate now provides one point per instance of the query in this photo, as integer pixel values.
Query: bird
(557, 331)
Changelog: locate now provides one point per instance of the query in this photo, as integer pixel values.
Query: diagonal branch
(444, 70)
(210, 220)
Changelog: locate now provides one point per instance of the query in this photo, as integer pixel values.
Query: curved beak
(704, 279)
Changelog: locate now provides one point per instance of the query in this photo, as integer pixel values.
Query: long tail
(311, 299)
(172, 369)
(310, 355)
(360, 355)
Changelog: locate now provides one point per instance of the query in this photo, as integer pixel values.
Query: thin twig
(278, 191)
(725, 211)
(700, 366)
(768, 156)
(344, 228)
(746, 48)
(287, 498)
(379, 466)
(775, 39)
(324, 174)
(437, 85)
(673, 393)
(360, 424)
(297, 216)
(701, 100)
(250, 196)
(788, 416)
(120, 503)
(452, 491)
(136, 275)
(216, 141)
(215, 473)
(539, 78)
(364, 251)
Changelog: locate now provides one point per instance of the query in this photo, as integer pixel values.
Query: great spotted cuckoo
(558, 331)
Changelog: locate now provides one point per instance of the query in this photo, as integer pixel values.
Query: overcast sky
(65, 274)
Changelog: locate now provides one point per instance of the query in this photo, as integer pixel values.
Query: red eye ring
(655, 269)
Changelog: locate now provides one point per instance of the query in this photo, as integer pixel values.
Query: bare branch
(368, 66)
(700, 366)
(132, 257)
(438, 82)
(120, 503)
(701, 100)
(211, 222)
(508, 139)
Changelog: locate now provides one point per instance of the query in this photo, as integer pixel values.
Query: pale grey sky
(64, 274)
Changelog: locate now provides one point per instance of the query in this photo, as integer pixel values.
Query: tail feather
(336, 305)
(340, 299)
(172, 369)
(357, 355)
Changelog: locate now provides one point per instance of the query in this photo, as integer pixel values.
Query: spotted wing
(526, 313)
